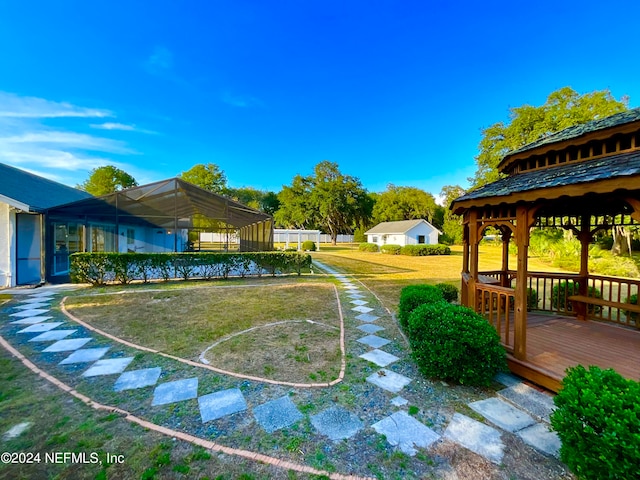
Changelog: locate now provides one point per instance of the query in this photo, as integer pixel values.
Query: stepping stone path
(518, 409)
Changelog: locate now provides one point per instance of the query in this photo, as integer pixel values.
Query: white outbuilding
(404, 232)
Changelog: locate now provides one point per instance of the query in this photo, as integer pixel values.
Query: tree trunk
(621, 240)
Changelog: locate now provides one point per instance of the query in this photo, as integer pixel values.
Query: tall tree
(326, 199)
(107, 179)
(264, 201)
(208, 176)
(452, 224)
(403, 203)
(563, 108)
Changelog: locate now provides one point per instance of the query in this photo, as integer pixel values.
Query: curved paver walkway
(31, 315)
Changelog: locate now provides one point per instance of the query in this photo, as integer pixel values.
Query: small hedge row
(598, 421)
(448, 341)
(421, 250)
(103, 268)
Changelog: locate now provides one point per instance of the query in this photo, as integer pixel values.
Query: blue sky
(394, 92)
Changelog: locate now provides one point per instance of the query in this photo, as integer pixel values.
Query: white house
(404, 232)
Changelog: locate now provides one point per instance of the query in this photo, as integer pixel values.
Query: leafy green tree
(452, 224)
(107, 179)
(403, 203)
(264, 201)
(327, 199)
(208, 176)
(563, 108)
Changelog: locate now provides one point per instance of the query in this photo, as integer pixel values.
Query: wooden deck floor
(555, 343)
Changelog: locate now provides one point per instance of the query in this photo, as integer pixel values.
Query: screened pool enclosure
(165, 216)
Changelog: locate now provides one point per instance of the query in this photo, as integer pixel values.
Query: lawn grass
(59, 423)
(186, 321)
(386, 275)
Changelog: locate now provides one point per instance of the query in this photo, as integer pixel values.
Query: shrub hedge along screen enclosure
(152, 218)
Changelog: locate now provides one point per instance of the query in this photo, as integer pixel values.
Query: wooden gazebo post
(523, 224)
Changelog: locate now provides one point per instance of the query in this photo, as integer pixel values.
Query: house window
(374, 239)
(420, 238)
(131, 237)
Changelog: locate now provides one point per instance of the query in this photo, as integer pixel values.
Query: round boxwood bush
(308, 246)
(413, 296)
(453, 343)
(563, 290)
(449, 292)
(598, 422)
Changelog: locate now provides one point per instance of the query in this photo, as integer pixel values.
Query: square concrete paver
(137, 379)
(355, 295)
(40, 327)
(31, 320)
(531, 400)
(31, 306)
(32, 300)
(109, 366)
(476, 436)
(362, 309)
(350, 286)
(388, 380)
(67, 345)
(370, 328)
(336, 423)
(405, 432)
(85, 355)
(540, 438)
(52, 335)
(374, 341)
(367, 317)
(358, 302)
(502, 414)
(32, 312)
(399, 401)
(219, 404)
(379, 357)
(177, 391)
(277, 414)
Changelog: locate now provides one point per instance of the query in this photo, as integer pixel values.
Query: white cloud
(242, 101)
(121, 126)
(14, 106)
(26, 141)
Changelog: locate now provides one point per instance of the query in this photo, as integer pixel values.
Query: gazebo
(584, 179)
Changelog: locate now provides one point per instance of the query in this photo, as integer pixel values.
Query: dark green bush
(449, 292)
(598, 422)
(102, 268)
(368, 247)
(359, 236)
(412, 297)
(562, 290)
(308, 246)
(423, 250)
(633, 299)
(391, 249)
(532, 300)
(453, 343)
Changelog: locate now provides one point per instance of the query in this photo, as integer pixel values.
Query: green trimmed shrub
(449, 291)
(562, 290)
(390, 249)
(412, 297)
(368, 247)
(453, 343)
(633, 300)
(598, 422)
(532, 300)
(308, 246)
(103, 268)
(423, 250)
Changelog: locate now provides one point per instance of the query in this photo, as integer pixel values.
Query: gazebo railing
(495, 303)
(610, 294)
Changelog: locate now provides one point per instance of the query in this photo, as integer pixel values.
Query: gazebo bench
(579, 301)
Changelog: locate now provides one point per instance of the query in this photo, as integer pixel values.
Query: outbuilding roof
(401, 226)
(33, 193)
